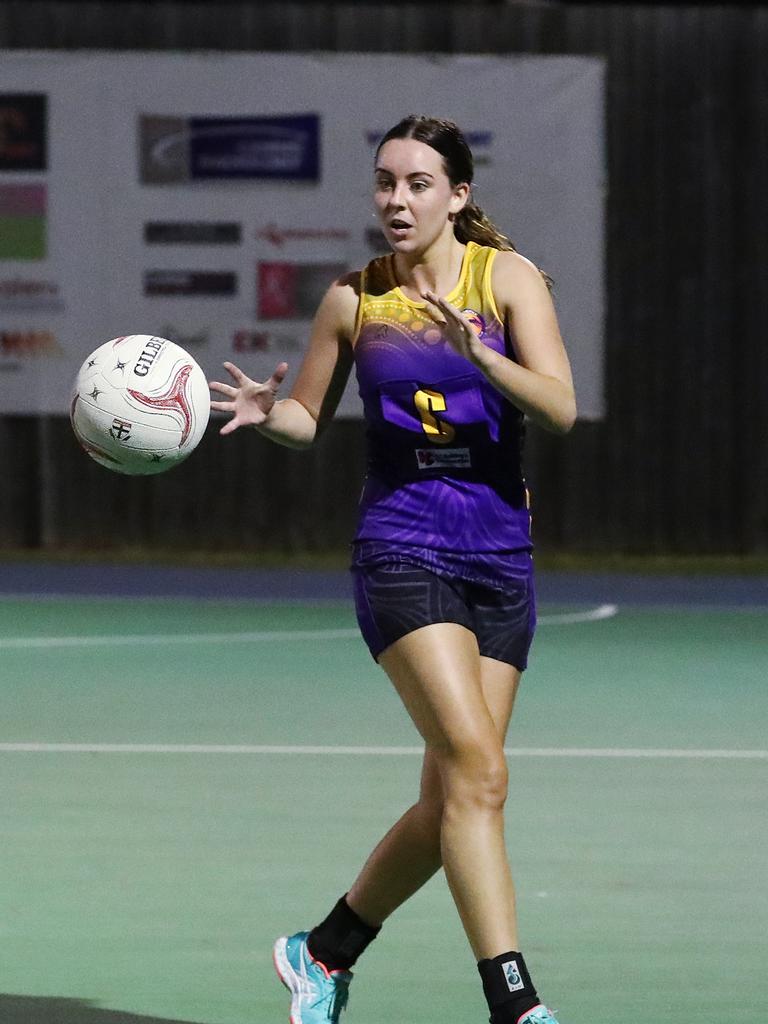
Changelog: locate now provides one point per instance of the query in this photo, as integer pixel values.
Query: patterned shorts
(395, 598)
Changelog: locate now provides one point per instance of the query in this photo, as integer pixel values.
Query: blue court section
(276, 584)
(193, 761)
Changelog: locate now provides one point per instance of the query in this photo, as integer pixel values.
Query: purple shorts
(395, 598)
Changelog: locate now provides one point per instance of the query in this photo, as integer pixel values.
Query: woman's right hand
(249, 401)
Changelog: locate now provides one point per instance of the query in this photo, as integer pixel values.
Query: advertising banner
(212, 199)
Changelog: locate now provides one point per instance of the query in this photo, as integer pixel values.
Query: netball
(140, 405)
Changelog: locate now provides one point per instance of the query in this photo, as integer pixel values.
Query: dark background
(679, 466)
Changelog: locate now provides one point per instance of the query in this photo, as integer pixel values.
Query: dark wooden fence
(680, 464)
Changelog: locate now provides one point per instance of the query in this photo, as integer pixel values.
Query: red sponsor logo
(277, 290)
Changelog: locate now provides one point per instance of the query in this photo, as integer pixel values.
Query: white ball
(140, 404)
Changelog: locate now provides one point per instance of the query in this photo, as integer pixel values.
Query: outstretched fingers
(278, 376)
(223, 389)
(236, 374)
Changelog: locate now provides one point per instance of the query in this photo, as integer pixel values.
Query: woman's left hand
(459, 331)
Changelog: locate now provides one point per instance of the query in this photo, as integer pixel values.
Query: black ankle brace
(339, 940)
(508, 987)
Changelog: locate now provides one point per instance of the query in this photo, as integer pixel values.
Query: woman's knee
(475, 773)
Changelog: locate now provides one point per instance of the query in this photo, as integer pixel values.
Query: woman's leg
(409, 854)
(437, 672)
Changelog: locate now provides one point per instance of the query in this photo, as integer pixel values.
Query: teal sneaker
(538, 1015)
(317, 995)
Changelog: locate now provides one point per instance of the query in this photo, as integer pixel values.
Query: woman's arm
(540, 382)
(297, 420)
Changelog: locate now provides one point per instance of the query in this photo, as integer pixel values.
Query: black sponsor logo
(120, 429)
(23, 136)
(193, 232)
(147, 357)
(190, 282)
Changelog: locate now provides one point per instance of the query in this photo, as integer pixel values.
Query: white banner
(211, 199)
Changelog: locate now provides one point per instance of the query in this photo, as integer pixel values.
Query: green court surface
(182, 781)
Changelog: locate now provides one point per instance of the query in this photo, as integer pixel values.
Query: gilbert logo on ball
(140, 404)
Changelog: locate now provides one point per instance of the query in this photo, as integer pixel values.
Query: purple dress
(444, 488)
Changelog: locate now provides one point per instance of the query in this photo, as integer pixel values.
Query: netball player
(454, 340)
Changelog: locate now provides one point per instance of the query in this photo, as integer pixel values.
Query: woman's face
(413, 195)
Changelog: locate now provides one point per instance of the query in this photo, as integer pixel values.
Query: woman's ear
(460, 197)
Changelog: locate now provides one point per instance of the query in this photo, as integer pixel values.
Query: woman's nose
(398, 196)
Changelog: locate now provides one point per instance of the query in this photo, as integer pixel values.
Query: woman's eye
(419, 186)
(382, 184)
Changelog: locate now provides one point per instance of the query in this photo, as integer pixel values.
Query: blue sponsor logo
(285, 148)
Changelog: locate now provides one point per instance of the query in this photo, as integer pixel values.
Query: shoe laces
(336, 999)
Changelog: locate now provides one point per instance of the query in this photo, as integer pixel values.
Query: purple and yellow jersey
(444, 487)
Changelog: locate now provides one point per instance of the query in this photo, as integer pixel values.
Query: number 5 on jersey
(427, 404)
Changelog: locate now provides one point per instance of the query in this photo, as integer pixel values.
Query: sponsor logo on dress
(512, 973)
(443, 458)
(476, 320)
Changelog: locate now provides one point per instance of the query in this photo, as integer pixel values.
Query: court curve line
(646, 753)
(603, 611)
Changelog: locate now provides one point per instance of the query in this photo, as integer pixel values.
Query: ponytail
(472, 224)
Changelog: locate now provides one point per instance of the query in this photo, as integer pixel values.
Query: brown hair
(471, 224)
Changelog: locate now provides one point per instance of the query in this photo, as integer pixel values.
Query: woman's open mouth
(399, 228)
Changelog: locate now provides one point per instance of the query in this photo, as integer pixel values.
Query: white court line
(603, 611)
(195, 748)
(178, 638)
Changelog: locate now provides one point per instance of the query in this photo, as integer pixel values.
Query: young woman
(454, 339)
